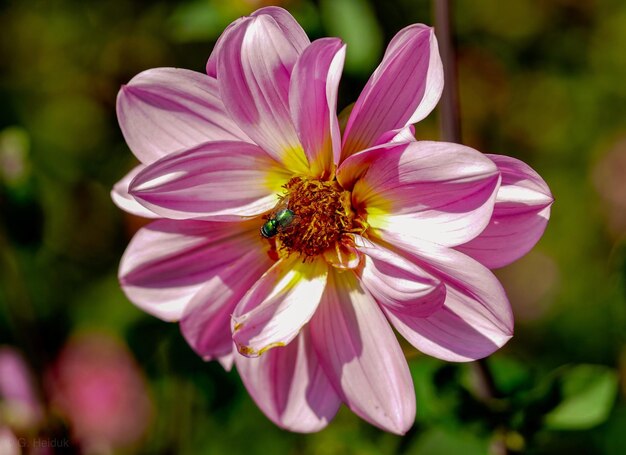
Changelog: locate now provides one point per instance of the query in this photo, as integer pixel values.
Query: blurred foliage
(361, 33)
(541, 81)
(588, 395)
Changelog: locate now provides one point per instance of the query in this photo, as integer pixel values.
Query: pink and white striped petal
(397, 283)
(476, 318)
(125, 201)
(167, 109)
(361, 356)
(285, 21)
(224, 181)
(211, 64)
(272, 313)
(206, 322)
(258, 58)
(520, 215)
(290, 387)
(435, 191)
(313, 103)
(168, 262)
(404, 89)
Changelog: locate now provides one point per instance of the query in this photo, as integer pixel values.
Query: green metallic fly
(281, 219)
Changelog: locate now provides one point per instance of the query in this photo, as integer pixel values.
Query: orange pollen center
(323, 217)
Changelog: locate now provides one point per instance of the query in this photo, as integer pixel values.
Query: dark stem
(486, 387)
(451, 132)
(449, 116)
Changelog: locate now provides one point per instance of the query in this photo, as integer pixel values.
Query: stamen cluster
(324, 214)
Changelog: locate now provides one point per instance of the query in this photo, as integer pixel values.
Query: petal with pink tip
(289, 26)
(168, 262)
(211, 64)
(294, 33)
(405, 87)
(216, 180)
(476, 318)
(520, 215)
(361, 356)
(313, 103)
(290, 387)
(125, 201)
(272, 313)
(435, 191)
(206, 322)
(257, 59)
(167, 109)
(397, 283)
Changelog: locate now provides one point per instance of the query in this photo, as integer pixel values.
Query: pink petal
(361, 356)
(211, 64)
(285, 21)
(125, 201)
(313, 102)
(288, 25)
(167, 109)
(400, 135)
(206, 322)
(398, 283)
(215, 180)
(405, 87)
(435, 191)
(520, 216)
(227, 361)
(290, 387)
(255, 64)
(168, 262)
(476, 318)
(272, 313)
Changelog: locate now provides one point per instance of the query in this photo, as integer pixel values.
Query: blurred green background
(543, 81)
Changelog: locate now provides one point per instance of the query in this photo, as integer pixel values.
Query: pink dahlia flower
(305, 244)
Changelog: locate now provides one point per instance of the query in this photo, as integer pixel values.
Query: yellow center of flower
(322, 218)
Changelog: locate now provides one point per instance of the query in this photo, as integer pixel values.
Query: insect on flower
(281, 219)
(380, 230)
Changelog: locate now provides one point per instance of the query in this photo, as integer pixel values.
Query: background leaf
(588, 395)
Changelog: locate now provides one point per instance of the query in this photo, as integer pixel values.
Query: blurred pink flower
(20, 406)
(608, 178)
(97, 386)
(9, 444)
(373, 227)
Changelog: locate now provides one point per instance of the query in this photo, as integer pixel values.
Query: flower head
(305, 244)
